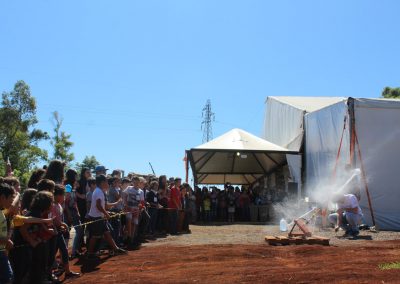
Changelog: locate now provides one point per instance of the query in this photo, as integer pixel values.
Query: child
(131, 199)
(152, 199)
(92, 187)
(37, 236)
(7, 194)
(231, 205)
(207, 207)
(57, 213)
(99, 228)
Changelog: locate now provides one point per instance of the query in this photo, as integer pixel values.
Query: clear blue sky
(131, 77)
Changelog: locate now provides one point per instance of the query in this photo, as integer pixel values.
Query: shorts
(6, 273)
(130, 217)
(98, 228)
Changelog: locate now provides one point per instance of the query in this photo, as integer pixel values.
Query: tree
(89, 162)
(18, 136)
(61, 141)
(391, 93)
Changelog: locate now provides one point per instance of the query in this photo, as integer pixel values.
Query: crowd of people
(62, 215)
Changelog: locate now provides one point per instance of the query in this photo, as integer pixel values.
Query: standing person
(131, 200)
(207, 208)
(222, 205)
(100, 170)
(174, 205)
(55, 171)
(71, 210)
(199, 203)
(152, 199)
(57, 214)
(144, 217)
(163, 225)
(81, 192)
(186, 207)
(114, 196)
(231, 204)
(97, 213)
(214, 204)
(7, 194)
(244, 201)
(37, 236)
(36, 176)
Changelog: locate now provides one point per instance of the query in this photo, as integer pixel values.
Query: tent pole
(340, 148)
(364, 176)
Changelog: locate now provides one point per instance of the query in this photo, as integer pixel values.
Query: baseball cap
(100, 169)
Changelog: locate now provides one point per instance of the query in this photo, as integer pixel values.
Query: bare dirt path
(238, 254)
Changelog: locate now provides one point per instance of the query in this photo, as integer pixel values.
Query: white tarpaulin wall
(283, 125)
(324, 130)
(378, 131)
(377, 125)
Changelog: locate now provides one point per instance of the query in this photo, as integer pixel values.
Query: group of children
(105, 211)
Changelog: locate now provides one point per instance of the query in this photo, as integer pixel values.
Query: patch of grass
(388, 266)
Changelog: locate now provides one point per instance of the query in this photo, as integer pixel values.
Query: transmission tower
(208, 118)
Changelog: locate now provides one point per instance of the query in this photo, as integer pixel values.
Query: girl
(71, 210)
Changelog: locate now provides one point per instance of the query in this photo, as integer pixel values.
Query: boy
(114, 195)
(57, 213)
(97, 213)
(7, 194)
(131, 199)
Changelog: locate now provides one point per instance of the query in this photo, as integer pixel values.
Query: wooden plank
(303, 227)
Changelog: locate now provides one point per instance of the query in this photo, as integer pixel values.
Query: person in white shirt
(99, 216)
(348, 209)
(131, 198)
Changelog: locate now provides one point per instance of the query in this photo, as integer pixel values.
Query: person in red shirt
(174, 204)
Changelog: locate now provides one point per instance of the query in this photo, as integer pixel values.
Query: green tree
(18, 136)
(89, 162)
(391, 93)
(61, 141)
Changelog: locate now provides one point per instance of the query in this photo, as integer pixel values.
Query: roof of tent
(237, 157)
(309, 104)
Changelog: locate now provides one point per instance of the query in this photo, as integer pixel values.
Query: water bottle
(283, 225)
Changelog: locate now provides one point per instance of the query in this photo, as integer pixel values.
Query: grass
(388, 266)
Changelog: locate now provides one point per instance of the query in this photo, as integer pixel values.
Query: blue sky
(130, 78)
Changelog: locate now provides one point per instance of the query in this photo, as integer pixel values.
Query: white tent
(237, 157)
(317, 127)
(284, 126)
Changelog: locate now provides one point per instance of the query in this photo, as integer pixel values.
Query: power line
(208, 118)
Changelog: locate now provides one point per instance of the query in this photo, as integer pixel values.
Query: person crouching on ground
(99, 216)
(348, 208)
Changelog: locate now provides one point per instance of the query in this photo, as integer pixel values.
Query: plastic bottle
(283, 225)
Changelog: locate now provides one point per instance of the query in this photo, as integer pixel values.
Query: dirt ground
(239, 254)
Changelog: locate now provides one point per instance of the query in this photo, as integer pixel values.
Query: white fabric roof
(309, 104)
(238, 139)
(237, 157)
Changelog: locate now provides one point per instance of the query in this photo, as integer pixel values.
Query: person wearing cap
(175, 205)
(99, 227)
(100, 170)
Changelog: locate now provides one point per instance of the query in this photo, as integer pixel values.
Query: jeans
(62, 246)
(350, 221)
(6, 273)
(21, 260)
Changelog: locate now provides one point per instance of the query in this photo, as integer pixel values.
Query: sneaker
(72, 274)
(355, 233)
(120, 251)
